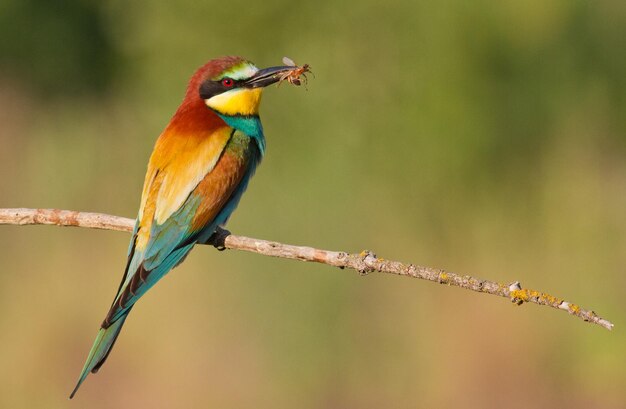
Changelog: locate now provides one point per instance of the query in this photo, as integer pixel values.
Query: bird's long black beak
(267, 76)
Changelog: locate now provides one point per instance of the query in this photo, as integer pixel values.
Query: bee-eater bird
(198, 170)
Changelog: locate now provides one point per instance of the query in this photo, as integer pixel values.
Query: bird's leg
(218, 239)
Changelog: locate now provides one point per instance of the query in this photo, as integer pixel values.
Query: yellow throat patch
(240, 101)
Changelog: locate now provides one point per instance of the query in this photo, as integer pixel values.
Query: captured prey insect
(296, 76)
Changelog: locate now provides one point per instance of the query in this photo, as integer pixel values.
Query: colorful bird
(198, 170)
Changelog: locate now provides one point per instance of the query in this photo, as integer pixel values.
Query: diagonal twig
(364, 262)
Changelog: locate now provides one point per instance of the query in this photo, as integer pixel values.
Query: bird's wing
(187, 186)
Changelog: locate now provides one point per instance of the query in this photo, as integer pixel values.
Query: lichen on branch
(364, 262)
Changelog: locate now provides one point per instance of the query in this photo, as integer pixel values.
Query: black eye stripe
(211, 88)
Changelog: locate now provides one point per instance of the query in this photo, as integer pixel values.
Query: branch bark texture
(364, 262)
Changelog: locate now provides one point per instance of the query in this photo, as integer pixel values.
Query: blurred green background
(484, 137)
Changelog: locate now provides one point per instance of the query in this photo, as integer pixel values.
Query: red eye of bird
(228, 82)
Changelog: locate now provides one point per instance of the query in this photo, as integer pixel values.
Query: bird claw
(218, 239)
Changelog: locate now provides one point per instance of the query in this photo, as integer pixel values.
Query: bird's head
(232, 86)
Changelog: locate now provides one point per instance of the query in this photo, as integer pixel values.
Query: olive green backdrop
(484, 137)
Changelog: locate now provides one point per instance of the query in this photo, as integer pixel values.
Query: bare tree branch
(364, 262)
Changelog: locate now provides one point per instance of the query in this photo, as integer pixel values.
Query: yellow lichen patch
(543, 298)
(550, 299)
(574, 309)
(520, 295)
(443, 278)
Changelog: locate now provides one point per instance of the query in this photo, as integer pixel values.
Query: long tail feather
(100, 350)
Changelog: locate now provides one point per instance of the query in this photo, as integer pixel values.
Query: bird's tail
(100, 350)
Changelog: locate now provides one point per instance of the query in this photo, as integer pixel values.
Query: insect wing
(288, 61)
